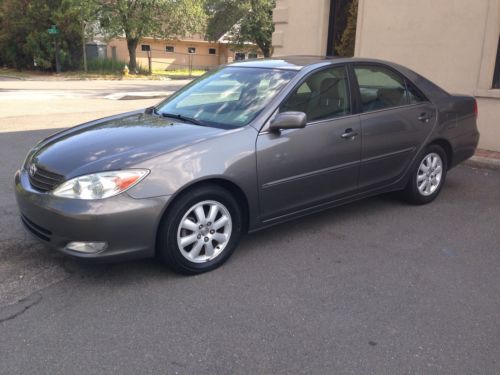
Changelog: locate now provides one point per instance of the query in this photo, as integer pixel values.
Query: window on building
(145, 47)
(496, 75)
(252, 55)
(169, 48)
(323, 95)
(191, 50)
(380, 88)
(238, 56)
(212, 51)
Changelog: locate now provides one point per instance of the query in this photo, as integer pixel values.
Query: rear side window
(322, 95)
(383, 88)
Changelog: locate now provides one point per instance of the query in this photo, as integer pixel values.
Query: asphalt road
(375, 287)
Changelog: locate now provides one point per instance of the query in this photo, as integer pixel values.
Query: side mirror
(288, 120)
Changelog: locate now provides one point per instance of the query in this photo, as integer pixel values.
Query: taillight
(476, 112)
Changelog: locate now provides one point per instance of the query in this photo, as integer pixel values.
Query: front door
(300, 168)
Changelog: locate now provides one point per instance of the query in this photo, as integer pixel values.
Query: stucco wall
(451, 42)
(300, 27)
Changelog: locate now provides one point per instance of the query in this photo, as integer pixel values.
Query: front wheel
(201, 230)
(428, 176)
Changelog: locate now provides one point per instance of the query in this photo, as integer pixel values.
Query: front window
(322, 95)
(230, 97)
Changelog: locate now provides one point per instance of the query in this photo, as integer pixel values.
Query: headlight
(100, 185)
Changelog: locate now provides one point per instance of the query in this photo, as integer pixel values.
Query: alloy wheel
(204, 231)
(430, 174)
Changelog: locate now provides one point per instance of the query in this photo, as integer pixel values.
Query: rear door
(396, 119)
(299, 168)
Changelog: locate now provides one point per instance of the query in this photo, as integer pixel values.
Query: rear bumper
(464, 147)
(127, 225)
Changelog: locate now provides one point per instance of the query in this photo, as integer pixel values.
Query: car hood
(115, 143)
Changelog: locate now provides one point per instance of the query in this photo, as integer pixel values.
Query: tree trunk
(84, 49)
(264, 47)
(132, 46)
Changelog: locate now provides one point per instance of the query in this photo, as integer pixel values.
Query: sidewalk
(485, 159)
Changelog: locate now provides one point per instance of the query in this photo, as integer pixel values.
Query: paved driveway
(376, 287)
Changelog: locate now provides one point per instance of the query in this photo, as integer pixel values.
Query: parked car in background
(246, 146)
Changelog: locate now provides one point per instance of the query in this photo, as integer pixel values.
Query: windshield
(230, 97)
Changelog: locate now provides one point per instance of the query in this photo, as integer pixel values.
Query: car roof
(297, 62)
(300, 62)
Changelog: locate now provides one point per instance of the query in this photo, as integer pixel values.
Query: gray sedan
(246, 146)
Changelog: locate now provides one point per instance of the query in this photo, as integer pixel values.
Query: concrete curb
(483, 162)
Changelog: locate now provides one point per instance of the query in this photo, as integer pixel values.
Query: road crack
(13, 311)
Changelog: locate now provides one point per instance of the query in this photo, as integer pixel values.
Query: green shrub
(110, 66)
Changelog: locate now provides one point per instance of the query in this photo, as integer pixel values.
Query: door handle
(424, 117)
(349, 134)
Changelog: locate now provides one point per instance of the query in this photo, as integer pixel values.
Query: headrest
(392, 96)
(328, 84)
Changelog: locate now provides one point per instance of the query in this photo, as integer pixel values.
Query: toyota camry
(246, 146)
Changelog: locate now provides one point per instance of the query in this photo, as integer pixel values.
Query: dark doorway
(342, 27)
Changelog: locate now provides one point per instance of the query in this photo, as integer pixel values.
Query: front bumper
(126, 224)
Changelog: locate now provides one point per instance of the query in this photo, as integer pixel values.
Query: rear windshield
(230, 97)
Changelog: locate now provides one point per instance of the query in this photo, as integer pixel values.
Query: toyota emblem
(33, 170)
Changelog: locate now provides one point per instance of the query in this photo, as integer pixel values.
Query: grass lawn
(157, 74)
(179, 73)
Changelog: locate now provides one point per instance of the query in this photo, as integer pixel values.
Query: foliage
(24, 40)
(345, 41)
(105, 66)
(244, 21)
(258, 26)
(223, 15)
(153, 18)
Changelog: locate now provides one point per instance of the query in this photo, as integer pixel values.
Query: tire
(424, 186)
(200, 231)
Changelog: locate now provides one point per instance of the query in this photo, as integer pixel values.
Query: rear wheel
(201, 230)
(428, 176)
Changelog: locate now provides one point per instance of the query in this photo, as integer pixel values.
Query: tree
(136, 19)
(345, 41)
(85, 16)
(244, 21)
(258, 26)
(14, 28)
(24, 40)
(223, 15)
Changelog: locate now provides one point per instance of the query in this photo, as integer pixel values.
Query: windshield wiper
(180, 117)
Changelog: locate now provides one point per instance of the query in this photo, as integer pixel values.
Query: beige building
(181, 54)
(455, 43)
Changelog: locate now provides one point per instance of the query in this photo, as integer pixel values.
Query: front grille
(44, 180)
(36, 229)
